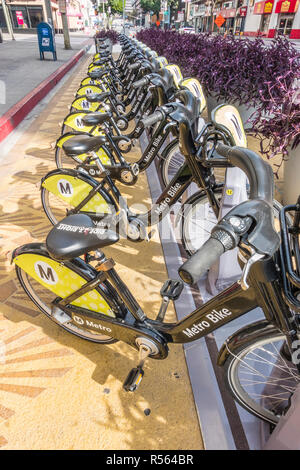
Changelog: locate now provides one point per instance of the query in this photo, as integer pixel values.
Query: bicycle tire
(33, 295)
(275, 394)
(57, 208)
(170, 161)
(207, 219)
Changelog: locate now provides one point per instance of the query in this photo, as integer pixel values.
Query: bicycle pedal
(171, 289)
(133, 379)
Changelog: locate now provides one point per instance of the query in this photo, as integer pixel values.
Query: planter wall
(291, 185)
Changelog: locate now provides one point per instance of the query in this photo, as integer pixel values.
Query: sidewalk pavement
(58, 391)
(21, 68)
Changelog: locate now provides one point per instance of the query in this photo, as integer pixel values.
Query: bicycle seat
(98, 97)
(93, 119)
(83, 144)
(97, 73)
(101, 61)
(76, 235)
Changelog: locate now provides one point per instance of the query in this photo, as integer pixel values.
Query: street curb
(12, 118)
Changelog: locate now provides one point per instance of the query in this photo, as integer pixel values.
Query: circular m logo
(45, 272)
(65, 188)
(78, 122)
(78, 320)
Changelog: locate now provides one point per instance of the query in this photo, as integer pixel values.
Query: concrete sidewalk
(21, 68)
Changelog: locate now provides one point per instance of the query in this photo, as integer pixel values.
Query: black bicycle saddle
(76, 235)
(82, 144)
(94, 119)
(98, 97)
(97, 73)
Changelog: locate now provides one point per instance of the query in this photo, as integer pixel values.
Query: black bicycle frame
(233, 302)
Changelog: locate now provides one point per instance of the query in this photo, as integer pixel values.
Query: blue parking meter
(46, 40)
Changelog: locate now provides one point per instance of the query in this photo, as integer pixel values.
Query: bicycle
(69, 191)
(95, 304)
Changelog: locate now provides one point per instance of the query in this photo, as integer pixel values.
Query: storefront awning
(287, 6)
(264, 8)
(225, 12)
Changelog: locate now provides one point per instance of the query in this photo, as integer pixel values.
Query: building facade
(268, 18)
(26, 14)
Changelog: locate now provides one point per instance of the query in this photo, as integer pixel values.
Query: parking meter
(46, 40)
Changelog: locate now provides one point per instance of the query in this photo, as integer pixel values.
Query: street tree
(151, 6)
(116, 6)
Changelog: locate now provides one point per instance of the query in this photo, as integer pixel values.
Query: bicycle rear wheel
(42, 298)
(260, 378)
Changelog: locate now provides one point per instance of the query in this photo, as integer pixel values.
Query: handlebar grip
(223, 149)
(197, 265)
(140, 83)
(152, 119)
(133, 66)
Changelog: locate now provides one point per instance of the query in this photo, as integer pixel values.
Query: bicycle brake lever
(253, 259)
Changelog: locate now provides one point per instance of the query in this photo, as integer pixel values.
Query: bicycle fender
(74, 120)
(73, 188)
(89, 88)
(82, 104)
(60, 278)
(242, 337)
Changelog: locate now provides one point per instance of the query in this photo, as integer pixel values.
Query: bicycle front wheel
(171, 160)
(260, 378)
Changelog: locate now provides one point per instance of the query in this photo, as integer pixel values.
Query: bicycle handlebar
(252, 220)
(197, 265)
(139, 83)
(152, 119)
(133, 66)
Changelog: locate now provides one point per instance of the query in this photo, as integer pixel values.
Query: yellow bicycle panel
(87, 89)
(195, 87)
(176, 72)
(62, 281)
(73, 190)
(162, 61)
(74, 121)
(82, 104)
(95, 67)
(228, 116)
(89, 81)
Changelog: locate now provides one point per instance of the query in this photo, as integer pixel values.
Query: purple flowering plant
(110, 34)
(242, 71)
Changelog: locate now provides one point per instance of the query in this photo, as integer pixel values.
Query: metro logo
(214, 317)
(65, 188)
(45, 272)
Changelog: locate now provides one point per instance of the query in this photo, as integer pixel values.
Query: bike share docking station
(224, 424)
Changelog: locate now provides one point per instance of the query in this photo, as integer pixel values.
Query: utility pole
(49, 13)
(8, 20)
(124, 16)
(104, 22)
(62, 4)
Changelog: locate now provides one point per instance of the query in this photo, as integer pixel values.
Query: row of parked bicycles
(72, 282)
